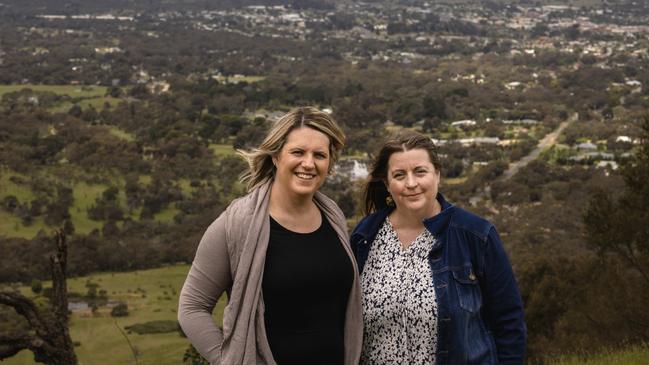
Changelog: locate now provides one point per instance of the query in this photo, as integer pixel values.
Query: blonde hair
(260, 159)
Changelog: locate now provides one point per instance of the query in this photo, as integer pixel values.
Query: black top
(306, 284)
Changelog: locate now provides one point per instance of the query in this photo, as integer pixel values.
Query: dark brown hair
(375, 190)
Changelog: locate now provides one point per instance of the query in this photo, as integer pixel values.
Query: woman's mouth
(304, 175)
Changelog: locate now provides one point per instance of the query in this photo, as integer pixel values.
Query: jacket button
(472, 276)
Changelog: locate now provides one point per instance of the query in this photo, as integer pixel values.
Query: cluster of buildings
(354, 22)
(376, 20)
(403, 30)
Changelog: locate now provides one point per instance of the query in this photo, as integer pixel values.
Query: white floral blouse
(399, 304)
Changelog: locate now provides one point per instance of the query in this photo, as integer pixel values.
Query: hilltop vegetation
(119, 121)
(151, 297)
(633, 356)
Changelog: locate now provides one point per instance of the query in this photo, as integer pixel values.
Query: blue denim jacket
(480, 312)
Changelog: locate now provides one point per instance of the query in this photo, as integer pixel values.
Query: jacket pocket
(468, 290)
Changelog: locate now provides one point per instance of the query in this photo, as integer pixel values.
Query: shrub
(120, 310)
(192, 357)
(37, 286)
(153, 327)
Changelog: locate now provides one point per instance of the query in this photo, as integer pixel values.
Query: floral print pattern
(399, 304)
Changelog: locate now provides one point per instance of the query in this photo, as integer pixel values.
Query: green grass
(84, 194)
(71, 90)
(8, 187)
(151, 295)
(454, 180)
(144, 179)
(121, 134)
(186, 187)
(167, 214)
(84, 197)
(94, 96)
(357, 155)
(222, 149)
(97, 102)
(236, 79)
(11, 226)
(636, 355)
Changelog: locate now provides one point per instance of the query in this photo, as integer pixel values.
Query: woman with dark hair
(282, 255)
(436, 283)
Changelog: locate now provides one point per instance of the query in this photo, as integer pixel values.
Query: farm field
(84, 193)
(85, 96)
(151, 295)
(70, 90)
(120, 121)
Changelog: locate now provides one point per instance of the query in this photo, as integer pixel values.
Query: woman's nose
(307, 162)
(411, 181)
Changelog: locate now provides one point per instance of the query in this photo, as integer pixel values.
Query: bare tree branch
(9, 345)
(58, 263)
(23, 306)
(52, 343)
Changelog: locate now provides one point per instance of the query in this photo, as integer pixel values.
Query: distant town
(121, 122)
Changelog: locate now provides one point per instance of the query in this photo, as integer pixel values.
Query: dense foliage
(122, 131)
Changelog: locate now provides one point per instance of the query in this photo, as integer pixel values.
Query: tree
(114, 91)
(56, 213)
(37, 286)
(540, 29)
(120, 310)
(434, 107)
(75, 111)
(572, 32)
(10, 203)
(138, 91)
(49, 336)
(621, 226)
(618, 228)
(192, 357)
(68, 227)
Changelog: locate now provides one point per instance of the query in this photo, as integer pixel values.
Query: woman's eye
(296, 153)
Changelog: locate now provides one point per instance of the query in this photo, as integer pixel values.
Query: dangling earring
(389, 201)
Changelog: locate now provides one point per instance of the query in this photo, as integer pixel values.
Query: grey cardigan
(231, 257)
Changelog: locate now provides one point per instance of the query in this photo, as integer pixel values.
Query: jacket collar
(370, 225)
(437, 223)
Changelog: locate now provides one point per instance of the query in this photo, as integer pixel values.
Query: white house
(478, 140)
(464, 123)
(587, 146)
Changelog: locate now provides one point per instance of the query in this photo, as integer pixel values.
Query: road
(549, 140)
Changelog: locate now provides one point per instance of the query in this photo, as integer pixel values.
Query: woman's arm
(208, 278)
(503, 307)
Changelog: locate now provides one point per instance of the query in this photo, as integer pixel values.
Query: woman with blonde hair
(281, 253)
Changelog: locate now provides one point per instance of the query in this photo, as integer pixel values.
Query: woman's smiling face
(303, 162)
